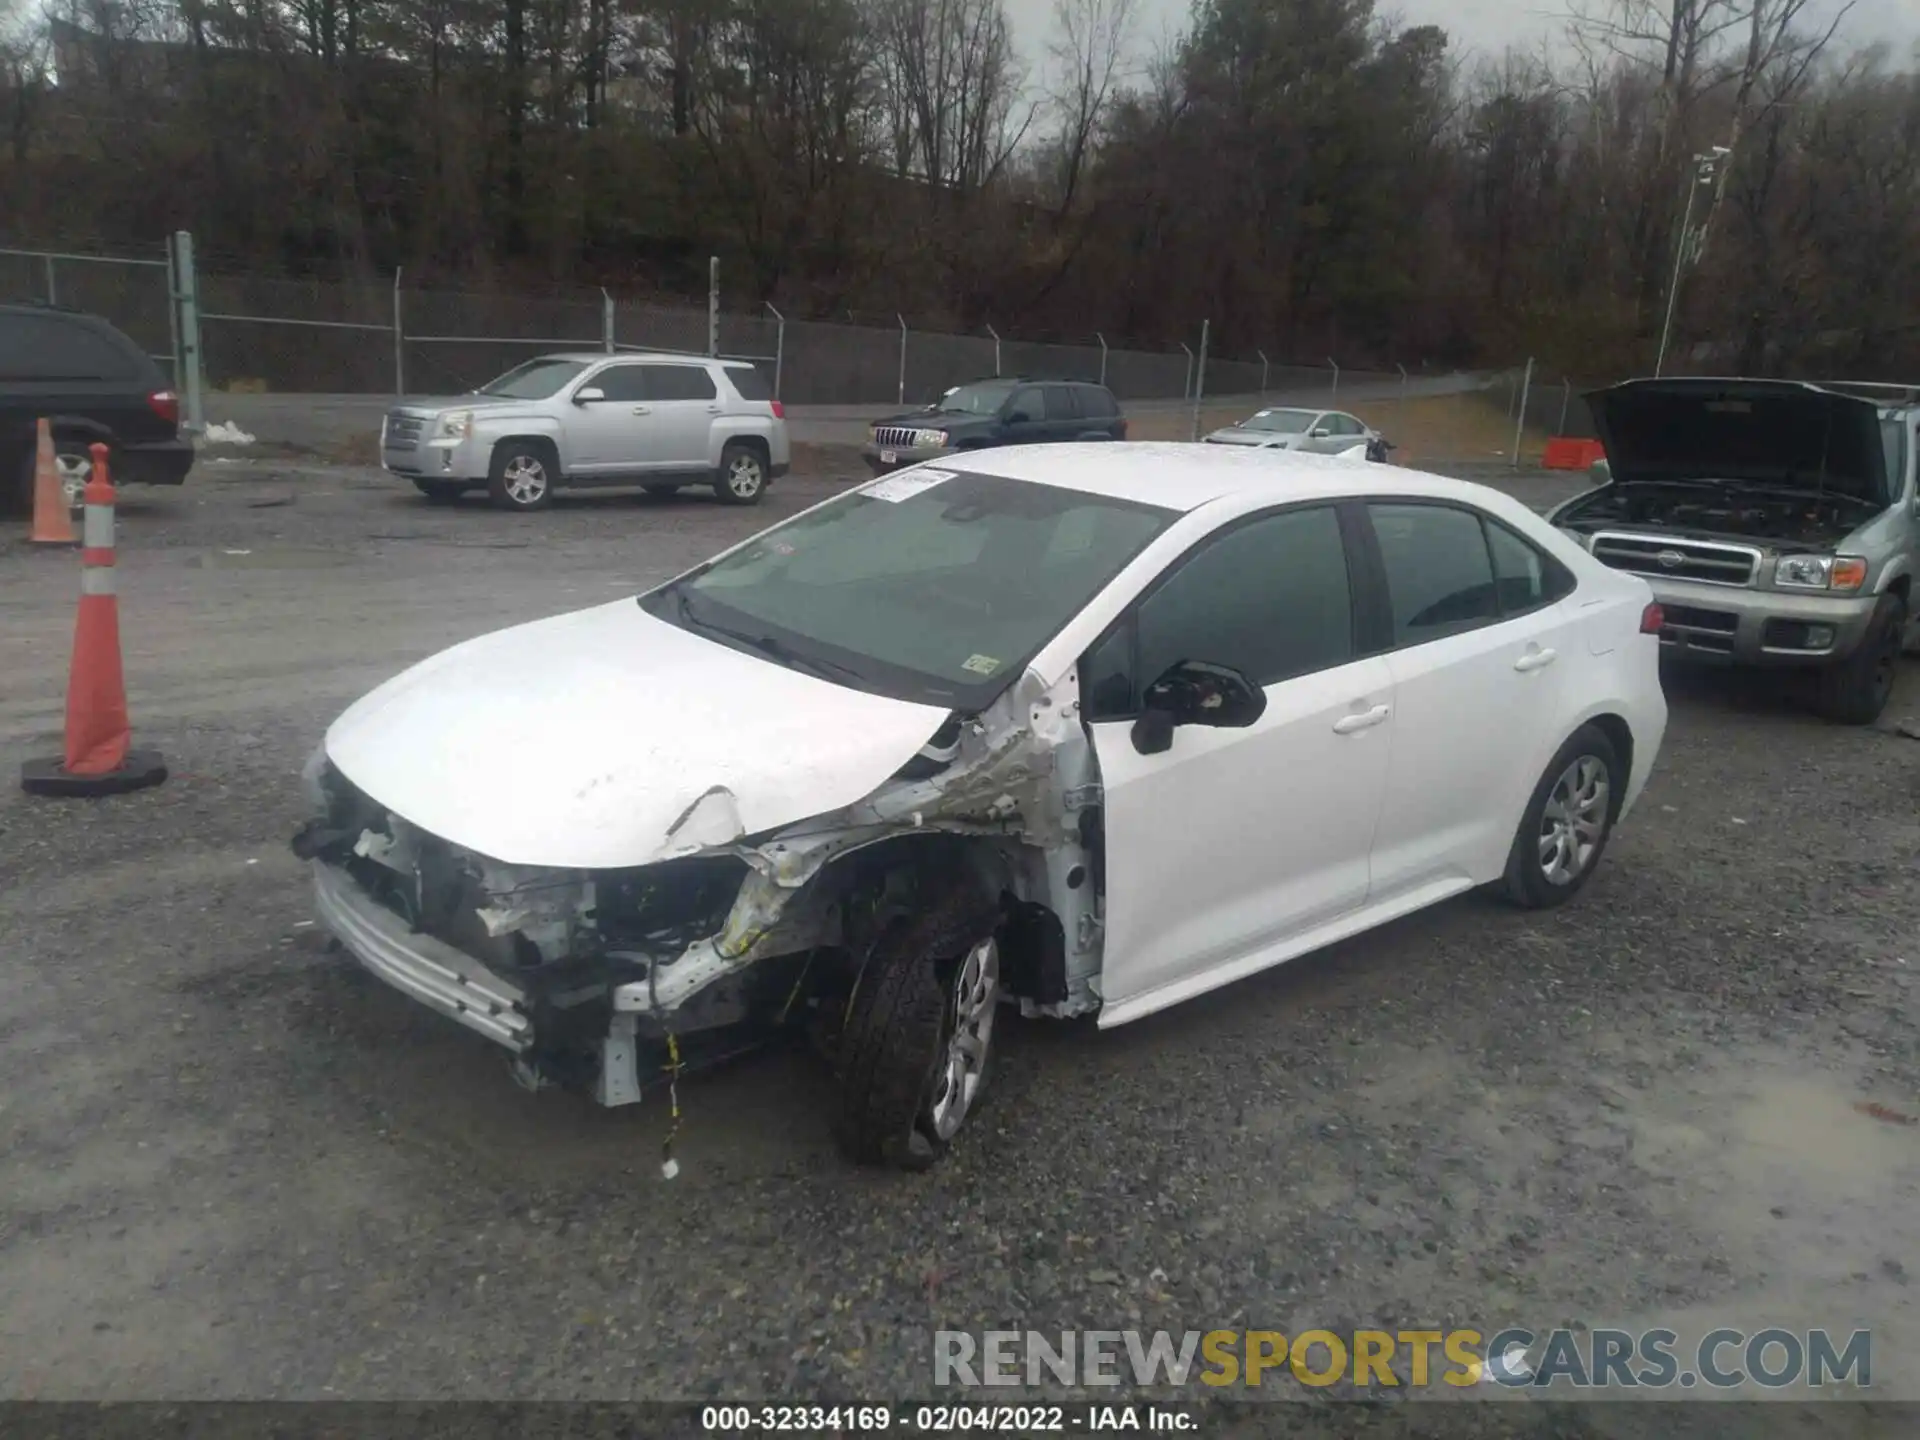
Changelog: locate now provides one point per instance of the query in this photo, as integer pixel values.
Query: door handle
(713, 409)
(1535, 660)
(1361, 720)
(641, 410)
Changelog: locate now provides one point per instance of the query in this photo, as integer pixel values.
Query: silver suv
(657, 421)
(1776, 521)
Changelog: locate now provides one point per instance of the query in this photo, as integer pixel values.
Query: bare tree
(1089, 52)
(953, 83)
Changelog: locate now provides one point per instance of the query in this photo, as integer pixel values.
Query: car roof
(1184, 477)
(675, 357)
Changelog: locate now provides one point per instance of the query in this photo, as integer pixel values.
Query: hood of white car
(606, 738)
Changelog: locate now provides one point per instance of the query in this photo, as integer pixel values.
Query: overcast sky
(1490, 26)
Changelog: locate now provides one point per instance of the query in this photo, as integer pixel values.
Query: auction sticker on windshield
(896, 488)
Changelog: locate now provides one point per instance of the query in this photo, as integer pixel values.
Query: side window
(1028, 402)
(749, 383)
(621, 382)
(1061, 403)
(679, 382)
(1347, 425)
(1524, 578)
(1439, 575)
(1270, 598)
(1096, 403)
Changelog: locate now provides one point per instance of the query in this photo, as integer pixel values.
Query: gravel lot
(235, 1167)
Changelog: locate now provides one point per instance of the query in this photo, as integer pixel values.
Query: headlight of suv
(456, 425)
(1844, 573)
(929, 439)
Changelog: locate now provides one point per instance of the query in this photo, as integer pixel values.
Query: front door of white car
(1483, 651)
(1224, 845)
(683, 404)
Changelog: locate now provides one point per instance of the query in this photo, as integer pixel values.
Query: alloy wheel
(1575, 820)
(975, 996)
(525, 480)
(744, 477)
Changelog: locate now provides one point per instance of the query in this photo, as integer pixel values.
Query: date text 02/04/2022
(945, 1419)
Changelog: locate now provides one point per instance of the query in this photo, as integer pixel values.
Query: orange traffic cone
(52, 525)
(98, 758)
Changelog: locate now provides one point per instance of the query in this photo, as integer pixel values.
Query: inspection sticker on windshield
(981, 664)
(906, 485)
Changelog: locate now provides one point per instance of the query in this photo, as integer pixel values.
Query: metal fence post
(399, 339)
(1403, 378)
(996, 351)
(187, 290)
(1103, 355)
(903, 357)
(1265, 367)
(53, 290)
(1336, 376)
(173, 315)
(1566, 402)
(779, 346)
(1520, 423)
(608, 340)
(1186, 385)
(1200, 379)
(713, 305)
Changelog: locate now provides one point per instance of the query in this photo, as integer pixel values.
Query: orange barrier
(99, 758)
(52, 524)
(1565, 453)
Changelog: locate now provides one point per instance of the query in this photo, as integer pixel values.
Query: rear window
(751, 384)
(1097, 402)
(54, 347)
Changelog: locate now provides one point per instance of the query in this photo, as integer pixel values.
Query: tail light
(166, 405)
(779, 410)
(1652, 618)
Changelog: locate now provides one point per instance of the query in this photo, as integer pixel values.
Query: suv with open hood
(1776, 520)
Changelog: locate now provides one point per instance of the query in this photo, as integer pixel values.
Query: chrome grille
(896, 437)
(1690, 628)
(404, 429)
(1660, 555)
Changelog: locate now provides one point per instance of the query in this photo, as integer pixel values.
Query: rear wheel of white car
(919, 1032)
(1567, 822)
(521, 477)
(440, 492)
(1855, 691)
(743, 474)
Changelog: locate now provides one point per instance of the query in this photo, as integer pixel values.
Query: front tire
(522, 476)
(1855, 691)
(1567, 823)
(919, 1032)
(743, 475)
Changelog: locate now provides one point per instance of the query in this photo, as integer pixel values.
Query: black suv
(93, 384)
(1017, 411)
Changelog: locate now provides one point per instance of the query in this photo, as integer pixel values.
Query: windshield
(985, 398)
(535, 380)
(1284, 422)
(929, 585)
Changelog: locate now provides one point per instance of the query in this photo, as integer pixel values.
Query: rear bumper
(164, 462)
(1725, 625)
(428, 970)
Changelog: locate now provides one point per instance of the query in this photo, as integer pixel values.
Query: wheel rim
(74, 472)
(976, 993)
(1575, 820)
(525, 479)
(743, 476)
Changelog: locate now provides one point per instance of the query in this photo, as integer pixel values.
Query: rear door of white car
(1233, 839)
(1486, 663)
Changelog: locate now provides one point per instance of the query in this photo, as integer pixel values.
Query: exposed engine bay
(734, 937)
(1712, 510)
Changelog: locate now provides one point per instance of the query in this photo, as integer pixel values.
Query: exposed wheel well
(545, 446)
(1903, 587)
(757, 444)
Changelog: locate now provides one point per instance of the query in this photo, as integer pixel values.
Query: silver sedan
(1319, 432)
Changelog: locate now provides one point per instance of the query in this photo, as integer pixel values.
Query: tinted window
(1028, 402)
(50, 347)
(1097, 403)
(1439, 576)
(751, 384)
(1524, 577)
(1269, 598)
(679, 382)
(1343, 425)
(1061, 403)
(622, 382)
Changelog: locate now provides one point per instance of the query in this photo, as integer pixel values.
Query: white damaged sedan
(1089, 729)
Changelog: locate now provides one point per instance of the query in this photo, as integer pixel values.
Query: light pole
(1705, 169)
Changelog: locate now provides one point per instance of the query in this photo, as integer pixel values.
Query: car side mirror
(1321, 434)
(588, 394)
(1195, 693)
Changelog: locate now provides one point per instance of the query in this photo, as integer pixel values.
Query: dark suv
(1017, 411)
(93, 384)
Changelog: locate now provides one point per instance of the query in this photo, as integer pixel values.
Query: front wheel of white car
(1567, 822)
(919, 1033)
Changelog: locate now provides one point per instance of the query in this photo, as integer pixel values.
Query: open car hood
(1758, 432)
(606, 738)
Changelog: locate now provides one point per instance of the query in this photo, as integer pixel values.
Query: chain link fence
(132, 291)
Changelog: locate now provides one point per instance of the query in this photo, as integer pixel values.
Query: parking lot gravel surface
(233, 1166)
